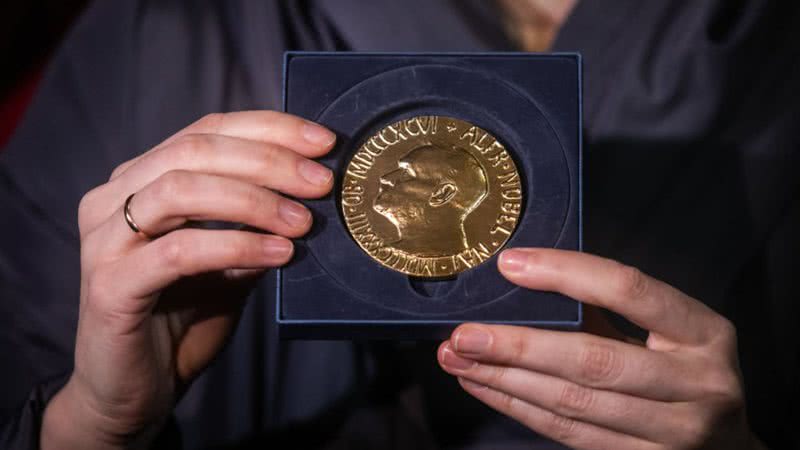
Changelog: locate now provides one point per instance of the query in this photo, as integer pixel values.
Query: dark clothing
(691, 113)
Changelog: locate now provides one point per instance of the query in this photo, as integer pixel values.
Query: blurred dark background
(29, 32)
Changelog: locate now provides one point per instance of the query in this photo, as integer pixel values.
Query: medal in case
(441, 161)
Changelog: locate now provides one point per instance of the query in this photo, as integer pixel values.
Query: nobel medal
(431, 196)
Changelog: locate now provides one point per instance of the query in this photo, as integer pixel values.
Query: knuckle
(724, 330)
(574, 400)
(171, 185)
(86, 208)
(239, 249)
(191, 147)
(270, 159)
(269, 115)
(600, 363)
(211, 122)
(171, 252)
(724, 388)
(633, 283)
(518, 349)
(495, 375)
(695, 431)
(256, 200)
(561, 428)
(118, 170)
(508, 403)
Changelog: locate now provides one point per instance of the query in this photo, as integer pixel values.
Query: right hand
(153, 313)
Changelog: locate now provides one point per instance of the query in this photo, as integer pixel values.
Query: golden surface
(431, 196)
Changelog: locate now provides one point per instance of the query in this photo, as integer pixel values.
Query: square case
(531, 102)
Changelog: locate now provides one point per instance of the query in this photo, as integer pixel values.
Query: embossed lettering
(512, 194)
(511, 207)
(509, 179)
(498, 158)
(448, 202)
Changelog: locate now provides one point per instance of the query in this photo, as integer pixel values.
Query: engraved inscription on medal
(431, 196)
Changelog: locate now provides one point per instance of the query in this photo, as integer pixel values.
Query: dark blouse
(691, 113)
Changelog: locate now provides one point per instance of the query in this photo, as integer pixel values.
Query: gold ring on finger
(129, 219)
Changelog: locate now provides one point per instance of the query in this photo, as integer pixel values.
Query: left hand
(681, 390)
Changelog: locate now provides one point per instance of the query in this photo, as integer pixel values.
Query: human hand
(154, 312)
(681, 390)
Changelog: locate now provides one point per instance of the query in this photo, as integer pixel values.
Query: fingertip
(303, 230)
(443, 346)
(451, 362)
(315, 173)
(513, 261)
(318, 136)
(460, 330)
(296, 217)
(472, 339)
(278, 250)
(320, 190)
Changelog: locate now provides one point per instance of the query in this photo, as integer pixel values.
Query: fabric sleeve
(20, 429)
(128, 75)
(69, 140)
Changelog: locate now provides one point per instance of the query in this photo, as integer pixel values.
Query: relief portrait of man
(429, 196)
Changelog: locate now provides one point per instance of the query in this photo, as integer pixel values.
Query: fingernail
(453, 361)
(314, 173)
(293, 213)
(277, 247)
(513, 261)
(317, 134)
(472, 341)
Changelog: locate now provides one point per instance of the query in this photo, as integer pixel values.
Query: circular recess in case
(462, 93)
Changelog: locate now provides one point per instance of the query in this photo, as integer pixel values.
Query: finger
(571, 432)
(302, 136)
(179, 196)
(651, 304)
(267, 165)
(647, 419)
(188, 252)
(581, 358)
(257, 163)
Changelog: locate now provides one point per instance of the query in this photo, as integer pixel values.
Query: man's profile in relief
(428, 198)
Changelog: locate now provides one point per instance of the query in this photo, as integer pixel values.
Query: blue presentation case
(531, 102)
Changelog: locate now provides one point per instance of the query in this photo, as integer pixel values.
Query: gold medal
(431, 196)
